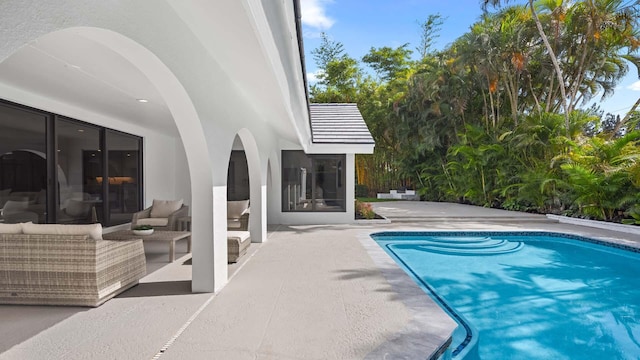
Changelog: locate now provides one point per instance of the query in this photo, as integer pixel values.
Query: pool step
(466, 245)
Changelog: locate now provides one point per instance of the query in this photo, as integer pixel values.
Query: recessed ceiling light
(80, 130)
(142, 100)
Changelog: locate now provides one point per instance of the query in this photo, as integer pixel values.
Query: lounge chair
(238, 215)
(162, 215)
(238, 236)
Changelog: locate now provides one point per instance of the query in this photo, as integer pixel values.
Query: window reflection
(312, 182)
(123, 159)
(80, 159)
(23, 166)
(57, 176)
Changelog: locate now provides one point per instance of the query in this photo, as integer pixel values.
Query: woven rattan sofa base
(67, 269)
(237, 244)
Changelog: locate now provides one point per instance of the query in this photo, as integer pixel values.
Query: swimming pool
(527, 295)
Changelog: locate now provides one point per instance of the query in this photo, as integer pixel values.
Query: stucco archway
(257, 187)
(207, 275)
(204, 277)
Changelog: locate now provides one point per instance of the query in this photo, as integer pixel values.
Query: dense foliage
(485, 121)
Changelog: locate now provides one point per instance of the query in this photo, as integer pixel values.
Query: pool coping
(429, 331)
(629, 229)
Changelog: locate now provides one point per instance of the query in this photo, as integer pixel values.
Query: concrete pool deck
(309, 292)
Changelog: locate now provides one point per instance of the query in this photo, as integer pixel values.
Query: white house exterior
(194, 79)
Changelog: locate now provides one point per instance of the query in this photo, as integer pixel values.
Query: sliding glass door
(312, 182)
(123, 188)
(59, 170)
(23, 165)
(79, 165)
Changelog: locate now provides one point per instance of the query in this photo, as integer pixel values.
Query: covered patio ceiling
(260, 64)
(72, 69)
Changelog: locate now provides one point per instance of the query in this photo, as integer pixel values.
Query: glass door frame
(51, 147)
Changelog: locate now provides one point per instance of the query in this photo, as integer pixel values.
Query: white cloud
(311, 34)
(313, 14)
(312, 77)
(635, 86)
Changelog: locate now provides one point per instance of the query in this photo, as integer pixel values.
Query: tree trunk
(620, 123)
(556, 65)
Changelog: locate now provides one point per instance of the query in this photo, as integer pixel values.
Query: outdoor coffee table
(169, 236)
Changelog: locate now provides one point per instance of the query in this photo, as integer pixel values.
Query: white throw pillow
(93, 230)
(164, 208)
(10, 228)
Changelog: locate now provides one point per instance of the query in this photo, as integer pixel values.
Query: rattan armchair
(167, 222)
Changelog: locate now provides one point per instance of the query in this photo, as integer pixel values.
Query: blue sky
(362, 24)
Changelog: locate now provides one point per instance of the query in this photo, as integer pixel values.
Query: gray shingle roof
(338, 124)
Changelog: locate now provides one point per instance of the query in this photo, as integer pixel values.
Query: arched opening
(238, 204)
(124, 54)
(238, 173)
(257, 186)
(207, 276)
(246, 197)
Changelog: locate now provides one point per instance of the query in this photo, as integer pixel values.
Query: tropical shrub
(365, 210)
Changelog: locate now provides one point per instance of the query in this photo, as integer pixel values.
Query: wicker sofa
(66, 267)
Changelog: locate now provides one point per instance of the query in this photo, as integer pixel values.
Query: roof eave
(340, 148)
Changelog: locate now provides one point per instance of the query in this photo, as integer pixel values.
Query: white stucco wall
(181, 171)
(159, 157)
(215, 86)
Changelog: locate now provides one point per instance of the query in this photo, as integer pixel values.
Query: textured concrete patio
(309, 292)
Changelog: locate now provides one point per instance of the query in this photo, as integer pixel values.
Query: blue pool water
(527, 295)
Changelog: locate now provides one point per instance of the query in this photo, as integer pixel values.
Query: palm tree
(601, 172)
(601, 37)
(552, 55)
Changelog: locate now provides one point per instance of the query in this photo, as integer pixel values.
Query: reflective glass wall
(23, 165)
(53, 170)
(313, 182)
(79, 163)
(123, 187)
